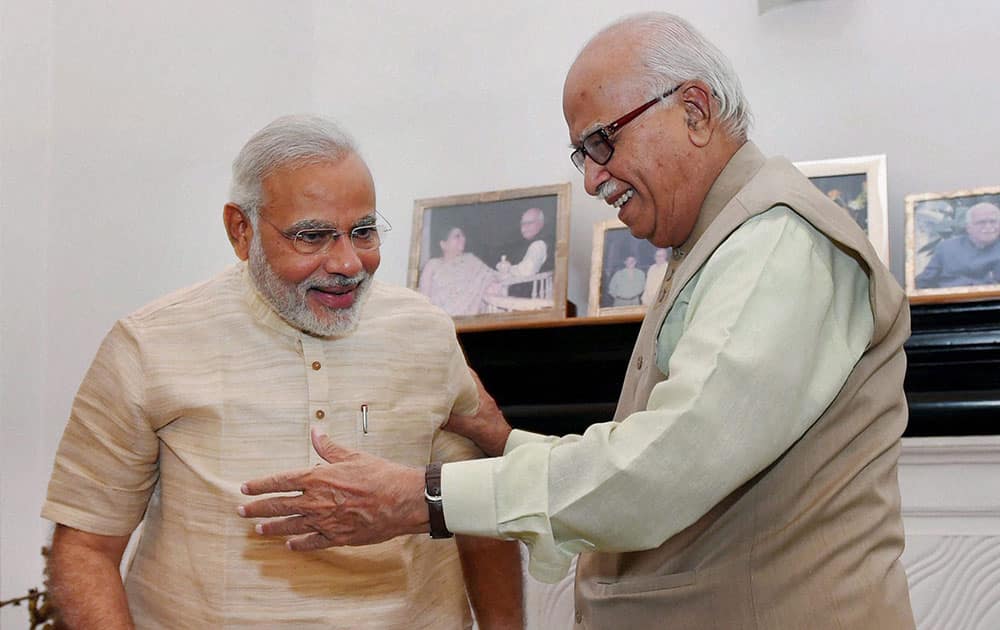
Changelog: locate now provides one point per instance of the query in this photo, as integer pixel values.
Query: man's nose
(594, 175)
(341, 258)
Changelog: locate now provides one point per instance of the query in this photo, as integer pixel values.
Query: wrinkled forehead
(984, 212)
(600, 86)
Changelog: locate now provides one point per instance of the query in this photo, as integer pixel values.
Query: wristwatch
(432, 494)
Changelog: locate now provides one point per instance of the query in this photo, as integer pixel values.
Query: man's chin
(337, 322)
(639, 231)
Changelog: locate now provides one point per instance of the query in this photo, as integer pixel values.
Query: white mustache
(338, 282)
(607, 189)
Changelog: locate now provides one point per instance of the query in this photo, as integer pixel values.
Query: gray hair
(672, 51)
(296, 140)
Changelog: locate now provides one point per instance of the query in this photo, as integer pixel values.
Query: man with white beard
(211, 384)
(748, 478)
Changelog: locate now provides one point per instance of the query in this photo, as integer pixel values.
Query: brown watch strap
(435, 508)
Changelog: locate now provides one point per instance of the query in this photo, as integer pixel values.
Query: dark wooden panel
(560, 379)
(953, 376)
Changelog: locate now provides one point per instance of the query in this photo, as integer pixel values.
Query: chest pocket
(398, 431)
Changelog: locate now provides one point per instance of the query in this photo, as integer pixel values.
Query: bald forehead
(533, 214)
(600, 85)
(602, 64)
(985, 209)
(609, 54)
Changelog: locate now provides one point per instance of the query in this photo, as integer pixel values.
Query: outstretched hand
(487, 427)
(354, 499)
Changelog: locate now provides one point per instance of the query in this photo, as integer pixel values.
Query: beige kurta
(208, 387)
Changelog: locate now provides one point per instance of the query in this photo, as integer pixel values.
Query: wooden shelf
(564, 322)
(560, 376)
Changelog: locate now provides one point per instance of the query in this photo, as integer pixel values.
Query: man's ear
(239, 229)
(699, 113)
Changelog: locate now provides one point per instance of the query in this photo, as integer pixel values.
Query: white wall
(119, 120)
(25, 143)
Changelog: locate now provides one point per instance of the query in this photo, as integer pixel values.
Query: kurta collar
(261, 309)
(741, 167)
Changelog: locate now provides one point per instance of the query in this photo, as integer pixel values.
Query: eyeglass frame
(604, 134)
(334, 234)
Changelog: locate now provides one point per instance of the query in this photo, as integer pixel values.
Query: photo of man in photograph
(972, 258)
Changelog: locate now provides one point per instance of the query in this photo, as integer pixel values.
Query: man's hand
(355, 499)
(487, 428)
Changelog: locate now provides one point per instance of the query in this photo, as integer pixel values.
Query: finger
(479, 384)
(475, 376)
(327, 448)
(290, 526)
(309, 542)
(268, 508)
(484, 396)
(458, 424)
(290, 481)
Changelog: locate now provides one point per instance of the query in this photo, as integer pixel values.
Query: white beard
(290, 302)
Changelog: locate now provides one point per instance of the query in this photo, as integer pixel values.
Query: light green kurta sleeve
(756, 346)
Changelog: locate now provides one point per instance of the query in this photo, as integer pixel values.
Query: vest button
(320, 414)
(638, 363)
(578, 617)
(316, 365)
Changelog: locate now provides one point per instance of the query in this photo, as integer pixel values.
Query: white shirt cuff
(467, 497)
(518, 437)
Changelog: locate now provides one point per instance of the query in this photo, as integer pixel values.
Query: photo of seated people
(489, 257)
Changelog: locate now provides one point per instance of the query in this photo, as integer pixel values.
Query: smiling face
(660, 171)
(320, 293)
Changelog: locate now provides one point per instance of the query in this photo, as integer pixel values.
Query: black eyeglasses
(315, 240)
(597, 145)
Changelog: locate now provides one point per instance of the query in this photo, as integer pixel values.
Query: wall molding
(936, 451)
(951, 486)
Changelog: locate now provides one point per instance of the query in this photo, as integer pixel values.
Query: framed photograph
(626, 272)
(858, 185)
(953, 245)
(493, 258)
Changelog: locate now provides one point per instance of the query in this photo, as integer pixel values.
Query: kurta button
(316, 365)
(320, 414)
(578, 617)
(638, 363)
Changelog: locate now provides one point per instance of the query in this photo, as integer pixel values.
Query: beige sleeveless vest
(814, 540)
